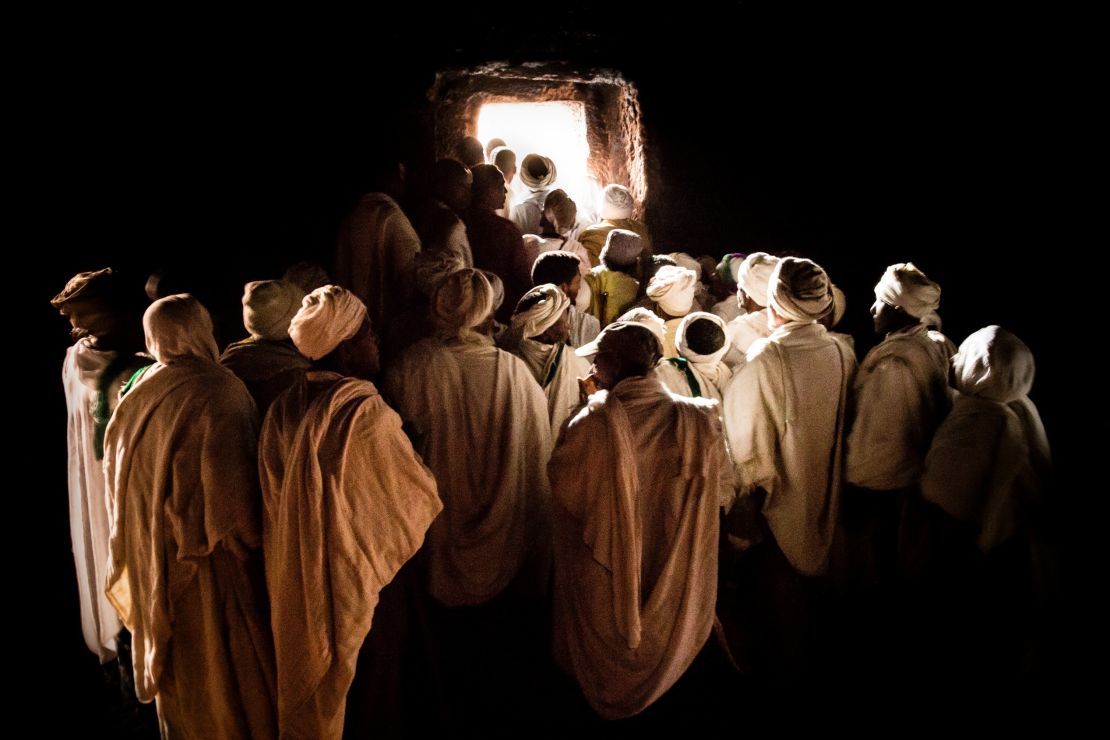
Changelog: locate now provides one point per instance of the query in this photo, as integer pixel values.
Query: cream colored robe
(636, 480)
(901, 397)
(88, 505)
(784, 413)
(185, 574)
(346, 504)
(374, 257)
(481, 424)
(557, 369)
(743, 332)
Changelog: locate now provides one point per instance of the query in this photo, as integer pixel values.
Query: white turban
(684, 349)
(673, 289)
(541, 315)
(462, 301)
(328, 316)
(754, 274)
(799, 290)
(632, 316)
(616, 202)
(498, 286)
(531, 181)
(994, 364)
(179, 327)
(430, 268)
(269, 306)
(905, 286)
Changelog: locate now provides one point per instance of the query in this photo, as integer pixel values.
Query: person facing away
(785, 411)
(185, 569)
(752, 277)
(377, 246)
(537, 335)
(614, 283)
(496, 242)
(267, 362)
(637, 479)
(671, 290)
(104, 355)
(480, 422)
(346, 502)
(537, 176)
(562, 269)
(616, 209)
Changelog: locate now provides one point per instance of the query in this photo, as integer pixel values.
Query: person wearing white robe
(95, 368)
(374, 255)
(636, 480)
(537, 335)
(785, 413)
(537, 177)
(901, 396)
(185, 572)
(704, 358)
(267, 362)
(672, 374)
(558, 268)
(901, 390)
(989, 462)
(346, 503)
(482, 426)
(672, 291)
(752, 277)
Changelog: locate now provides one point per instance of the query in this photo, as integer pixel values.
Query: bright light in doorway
(555, 129)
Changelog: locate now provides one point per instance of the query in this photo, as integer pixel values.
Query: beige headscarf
(178, 327)
(616, 202)
(432, 267)
(905, 286)
(542, 315)
(328, 316)
(269, 306)
(754, 274)
(799, 290)
(632, 316)
(461, 301)
(673, 289)
(994, 364)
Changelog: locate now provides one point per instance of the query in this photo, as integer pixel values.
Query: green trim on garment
(134, 379)
(554, 366)
(684, 365)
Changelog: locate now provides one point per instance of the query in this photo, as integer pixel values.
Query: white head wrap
(461, 301)
(179, 327)
(328, 316)
(529, 180)
(269, 306)
(684, 349)
(430, 268)
(542, 315)
(673, 289)
(616, 202)
(905, 286)
(799, 290)
(994, 364)
(684, 260)
(754, 274)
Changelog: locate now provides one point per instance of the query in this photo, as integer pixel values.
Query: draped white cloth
(82, 379)
(482, 426)
(637, 481)
(784, 413)
(346, 503)
(901, 397)
(557, 369)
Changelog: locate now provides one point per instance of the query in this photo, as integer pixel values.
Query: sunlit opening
(554, 129)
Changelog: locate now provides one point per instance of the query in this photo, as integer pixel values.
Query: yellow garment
(615, 290)
(593, 238)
